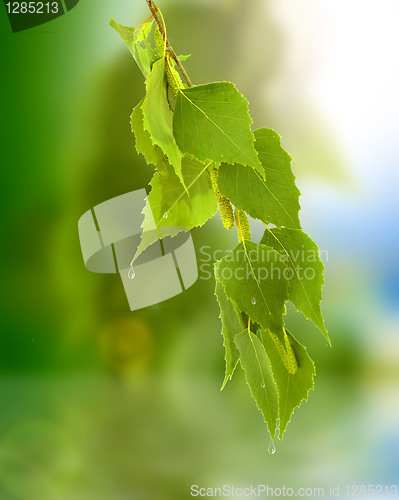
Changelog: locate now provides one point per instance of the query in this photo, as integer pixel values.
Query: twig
(154, 11)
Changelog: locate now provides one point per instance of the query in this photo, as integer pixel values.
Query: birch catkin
(243, 229)
(159, 42)
(225, 208)
(173, 77)
(174, 81)
(287, 354)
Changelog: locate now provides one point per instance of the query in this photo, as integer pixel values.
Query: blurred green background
(100, 403)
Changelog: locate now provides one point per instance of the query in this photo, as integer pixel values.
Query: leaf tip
(226, 379)
(113, 23)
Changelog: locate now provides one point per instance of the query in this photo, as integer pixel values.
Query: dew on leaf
(253, 300)
(165, 215)
(263, 385)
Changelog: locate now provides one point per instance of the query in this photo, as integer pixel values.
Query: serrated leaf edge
(227, 377)
(260, 368)
(323, 330)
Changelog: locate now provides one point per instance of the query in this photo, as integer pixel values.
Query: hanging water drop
(253, 301)
(132, 273)
(272, 448)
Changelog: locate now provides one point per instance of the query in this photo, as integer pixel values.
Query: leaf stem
(140, 25)
(154, 11)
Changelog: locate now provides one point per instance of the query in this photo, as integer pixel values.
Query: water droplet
(263, 385)
(165, 215)
(272, 448)
(253, 301)
(132, 273)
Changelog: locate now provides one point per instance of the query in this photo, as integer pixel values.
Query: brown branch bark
(154, 11)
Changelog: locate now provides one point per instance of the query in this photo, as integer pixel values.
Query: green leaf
(274, 200)
(259, 377)
(212, 122)
(184, 57)
(158, 117)
(253, 277)
(304, 270)
(144, 143)
(232, 324)
(292, 388)
(138, 43)
(173, 206)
